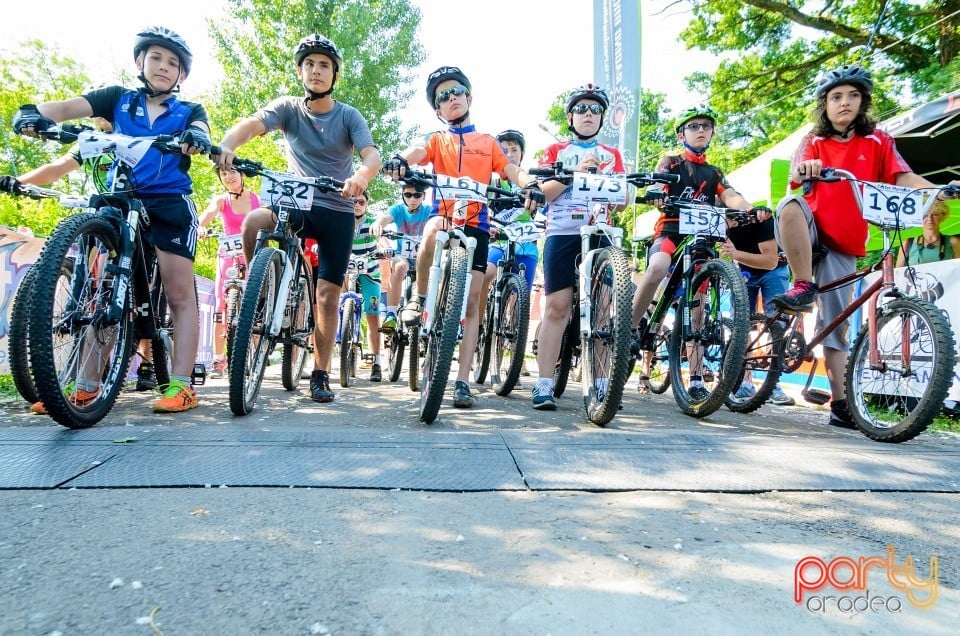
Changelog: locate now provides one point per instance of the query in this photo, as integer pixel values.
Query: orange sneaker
(77, 397)
(177, 397)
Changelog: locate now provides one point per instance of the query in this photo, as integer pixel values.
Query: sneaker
(77, 397)
(840, 415)
(320, 386)
(177, 397)
(146, 377)
(219, 367)
(411, 312)
(798, 297)
(643, 385)
(543, 399)
(745, 392)
(780, 398)
(699, 393)
(389, 322)
(375, 374)
(462, 398)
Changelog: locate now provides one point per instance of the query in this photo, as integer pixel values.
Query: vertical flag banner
(616, 67)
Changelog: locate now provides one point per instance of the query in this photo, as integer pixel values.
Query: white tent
(752, 179)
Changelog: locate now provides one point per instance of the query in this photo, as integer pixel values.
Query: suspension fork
(128, 235)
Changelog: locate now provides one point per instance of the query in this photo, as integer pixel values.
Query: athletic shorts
(561, 257)
(529, 262)
(173, 224)
(370, 292)
(333, 232)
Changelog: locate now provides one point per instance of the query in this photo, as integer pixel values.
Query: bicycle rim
(510, 336)
(73, 345)
(605, 346)
(442, 338)
(898, 400)
(252, 342)
(716, 341)
(762, 364)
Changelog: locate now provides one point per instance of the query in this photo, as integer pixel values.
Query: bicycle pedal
(816, 396)
(199, 375)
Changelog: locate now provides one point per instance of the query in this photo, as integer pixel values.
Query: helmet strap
(454, 122)
(150, 91)
(845, 133)
(696, 151)
(582, 137)
(312, 96)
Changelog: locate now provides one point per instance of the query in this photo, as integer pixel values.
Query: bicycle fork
(283, 289)
(441, 262)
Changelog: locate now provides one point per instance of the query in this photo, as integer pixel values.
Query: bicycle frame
(441, 262)
(588, 256)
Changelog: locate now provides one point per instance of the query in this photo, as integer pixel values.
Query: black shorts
(483, 248)
(173, 224)
(333, 232)
(561, 257)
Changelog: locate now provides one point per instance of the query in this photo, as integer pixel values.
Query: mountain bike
(230, 248)
(405, 337)
(503, 328)
(18, 337)
(602, 301)
(708, 301)
(448, 284)
(349, 337)
(278, 303)
(104, 291)
(901, 364)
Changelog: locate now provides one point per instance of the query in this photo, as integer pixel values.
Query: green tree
(376, 38)
(772, 51)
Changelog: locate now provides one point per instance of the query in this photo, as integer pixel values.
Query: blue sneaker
(543, 399)
(780, 398)
(699, 393)
(745, 392)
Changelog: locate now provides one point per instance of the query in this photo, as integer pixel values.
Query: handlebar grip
(542, 172)
(666, 177)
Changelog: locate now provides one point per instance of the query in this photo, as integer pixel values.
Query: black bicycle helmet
(587, 91)
(316, 43)
(441, 75)
(162, 36)
(847, 74)
(515, 136)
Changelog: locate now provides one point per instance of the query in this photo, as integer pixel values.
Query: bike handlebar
(558, 173)
(250, 168)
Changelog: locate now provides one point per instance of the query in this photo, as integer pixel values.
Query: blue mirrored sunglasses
(457, 90)
(581, 108)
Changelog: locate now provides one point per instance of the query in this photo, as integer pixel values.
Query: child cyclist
(232, 207)
(321, 136)
(410, 217)
(368, 276)
(585, 108)
(163, 60)
(458, 151)
(844, 136)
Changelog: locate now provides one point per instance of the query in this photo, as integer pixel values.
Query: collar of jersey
(463, 130)
(693, 157)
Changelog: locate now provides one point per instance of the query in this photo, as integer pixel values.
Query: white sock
(545, 384)
(391, 309)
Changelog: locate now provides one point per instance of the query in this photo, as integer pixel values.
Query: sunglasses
(705, 126)
(413, 195)
(360, 201)
(457, 90)
(581, 108)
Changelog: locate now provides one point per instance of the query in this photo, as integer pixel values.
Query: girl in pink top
(231, 206)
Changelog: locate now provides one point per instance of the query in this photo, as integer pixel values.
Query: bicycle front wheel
(713, 347)
(252, 342)
(413, 343)
(296, 347)
(347, 328)
(761, 365)
(481, 356)
(232, 297)
(605, 346)
(442, 338)
(80, 355)
(510, 336)
(897, 399)
(18, 340)
(395, 346)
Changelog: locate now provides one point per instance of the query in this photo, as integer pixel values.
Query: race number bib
(409, 245)
(886, 204)
(461, 189)
(594, 188)
(129, 150)
(702, 219)
(522, 232)
(358, 263)
(291, 192)
(231, 245)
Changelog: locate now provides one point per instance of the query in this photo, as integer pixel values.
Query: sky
(545, 43)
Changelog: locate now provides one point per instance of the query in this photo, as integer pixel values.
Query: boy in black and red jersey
(699, 181)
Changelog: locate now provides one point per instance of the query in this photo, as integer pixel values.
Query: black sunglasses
(413, 195)
(457, 90)
(581, 108)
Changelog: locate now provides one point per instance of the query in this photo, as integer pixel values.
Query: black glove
(28, 115)
(10, 184)
(656, 195)
(760, 208)
(394, 164)
(533, 193)
(197, 138)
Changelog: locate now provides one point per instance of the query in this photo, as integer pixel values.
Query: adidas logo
(176, 241)
(862, 158)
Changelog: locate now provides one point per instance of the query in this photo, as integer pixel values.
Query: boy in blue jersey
(163, 60)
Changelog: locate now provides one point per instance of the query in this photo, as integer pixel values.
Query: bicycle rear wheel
(762, 362)
(395, 345)
(660, 360)
(161, 345)
(296, 347)
(347, 328)
(79, 356)
(568, 346)
(897, 400)
(485, 335)
(413, 343)
(18, 338)
(442, 338)
(605, 347)
(509, 340)
(252, 343)
(232, 297)
(715, 344)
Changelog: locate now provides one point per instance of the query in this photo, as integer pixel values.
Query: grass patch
(7, 388)
(943, 422)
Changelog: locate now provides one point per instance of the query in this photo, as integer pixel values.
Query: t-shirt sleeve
(892, 162)
(430, 144)
(500, 160)
(359, 130)
(806, 150)
(104, 100)
(197, 114)
(549, 156)
(274, 114)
